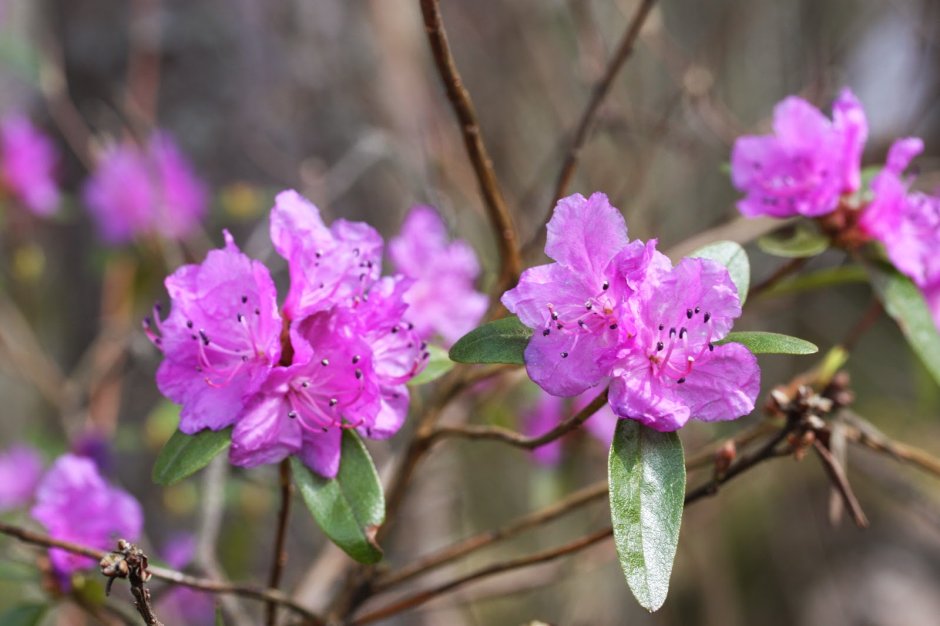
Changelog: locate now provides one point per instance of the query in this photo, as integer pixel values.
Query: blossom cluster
(811, 166)
(609, 310)
(336, 356)
(28, 161)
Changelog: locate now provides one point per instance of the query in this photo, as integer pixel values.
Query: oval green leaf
(646, 470)
(799, 242)
(348, 508)
(770, 343)
(732, 256)
(502, 341)
(438, 364)
(905, 304)
(184, 455)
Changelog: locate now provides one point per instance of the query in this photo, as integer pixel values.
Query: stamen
(325, 362)
(564, 355)
(688, 313)
(605, 286)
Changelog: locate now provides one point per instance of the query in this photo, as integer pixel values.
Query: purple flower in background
(577, 305)
(443, 299)
(221, 339)
(28, 160)
(20, 471)
(75, 503)
(327, 265)
(806, 165)
(907, 223)
(183, 605)
(140, 191)
(549, 411)
(673, 370)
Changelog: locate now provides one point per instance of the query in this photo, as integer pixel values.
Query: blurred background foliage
(339, 100)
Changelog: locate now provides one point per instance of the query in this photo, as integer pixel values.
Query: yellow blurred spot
(29, 262)
(242, 201)
(181, 499)
(254, 500)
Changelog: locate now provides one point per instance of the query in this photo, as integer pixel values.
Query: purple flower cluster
(336, 356)
(145, 191)
(76, 504)
(810, 165)
(20, 471)
(443, 298)
(807, 165)
(28, 161)
(614, 311)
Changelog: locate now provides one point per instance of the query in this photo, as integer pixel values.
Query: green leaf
(218, 616)
(646, 470)
(732, 256)
(904, 302)
(184, 455)
(24, 615)
(502, 341)
(799, 242)
(438, 364)
(350, 507)
(819, 279)
(770, 343)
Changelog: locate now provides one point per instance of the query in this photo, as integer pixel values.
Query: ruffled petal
(724, 386)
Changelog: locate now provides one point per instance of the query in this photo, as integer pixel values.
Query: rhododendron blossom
(76, 504)
(443, 298)
(342, 364)
(907, 223)
(806, 166)
(144, 191)
(27, 165)
(614, 310)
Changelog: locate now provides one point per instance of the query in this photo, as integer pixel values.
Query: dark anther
(698, 310)
(325, 362)
(305, 384)
(394, 329)
(292, 414)
(659, 346)
(189, 324)
(661, 327)
(358, 374)
(546, 332)
(559, 325)
(711, 347)
(683, 332)
(688, 313)
(672, 332)
(333, 401)
(356, 251)
(356, 359)
(204, 336)
(613, 326)
(605, 286)
(244, 299)
(564, 355)
(147, 322)
(581, 323)
(318, 254)
(588, 306)
(681, 380)
(708, 316)
(257, 311)
(240, 318)
(554, 315)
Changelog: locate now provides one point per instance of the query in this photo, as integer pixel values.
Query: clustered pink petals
(20, 471)
(807, 165)
(343, 362)
(76, 504)
(443, 298)
(28, 161)
(614, 311)
(140, 191)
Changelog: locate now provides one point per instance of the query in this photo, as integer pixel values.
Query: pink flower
(549, 411)
(221, 339)
(75, 504)
(145, 191)
(672, 370)
(614, 310)
(20, 470)
(443, 299)
(184, 605)
(806, 165)
(907, 223)
(28, 160)
(576, 306)
(327, 265)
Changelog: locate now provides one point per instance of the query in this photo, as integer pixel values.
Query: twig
(130, 562)
(840, 482)
(513, 564)
(453, 552)
(280, 554)
(519, 440)
(586, 123)
(169, 575)
(861, 432)
(459, 97)
(791, 266)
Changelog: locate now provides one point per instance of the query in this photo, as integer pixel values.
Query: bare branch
(280, 554)
(841, 483)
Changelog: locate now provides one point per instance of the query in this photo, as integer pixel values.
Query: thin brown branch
(459, 97)
(169, 575)
(589, 114)
(861, 432)
(471, 544)
(497, 568)
(791, 266)
(280, 553)
(496, 433)
(841, 483)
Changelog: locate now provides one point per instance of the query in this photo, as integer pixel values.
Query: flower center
(676, 350)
